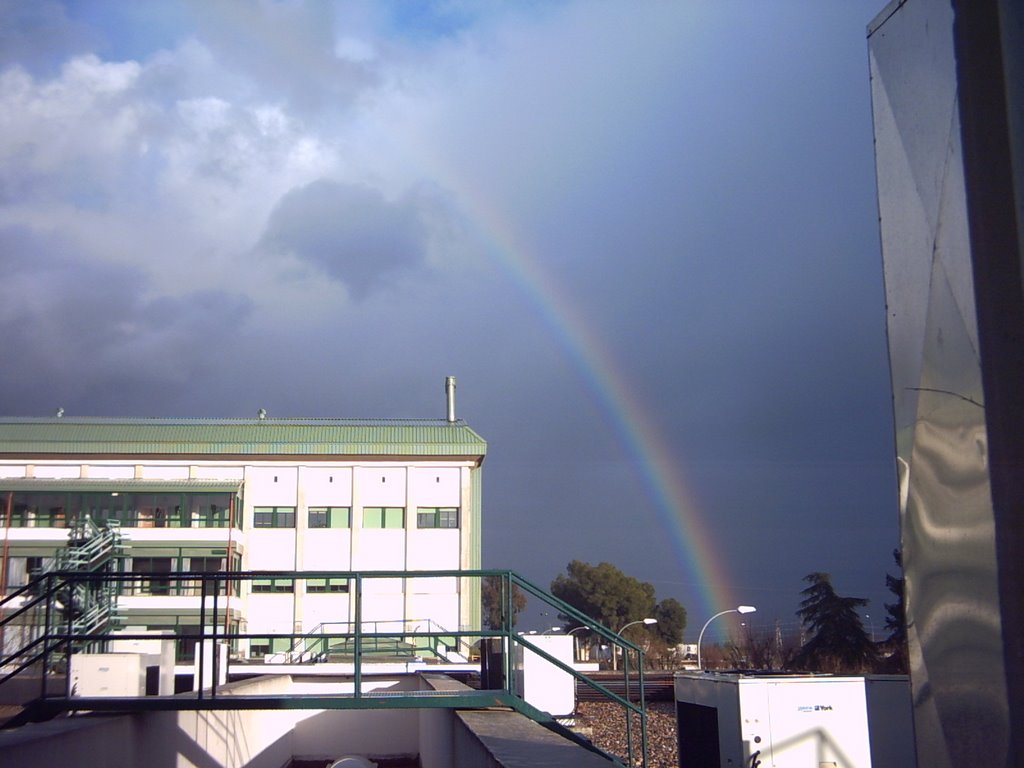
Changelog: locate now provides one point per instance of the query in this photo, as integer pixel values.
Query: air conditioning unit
(794, 721)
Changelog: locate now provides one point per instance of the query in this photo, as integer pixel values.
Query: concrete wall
(254, 739)
(270, 738)
(207, 739)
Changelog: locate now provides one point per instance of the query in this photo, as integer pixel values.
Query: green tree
(896, 622)
(604, 593)
(756, 648)
(671, 616)
(838, 642)
(492, 597)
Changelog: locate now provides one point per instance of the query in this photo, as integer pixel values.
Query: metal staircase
(38, 620)
(91, 606)
(90, 546)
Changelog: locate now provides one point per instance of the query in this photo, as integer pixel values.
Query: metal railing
(421, 637)
(172, 518)
(59, 632)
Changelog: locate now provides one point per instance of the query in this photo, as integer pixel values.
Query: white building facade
(275, 495)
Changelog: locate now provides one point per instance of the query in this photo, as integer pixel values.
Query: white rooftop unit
(794, 721)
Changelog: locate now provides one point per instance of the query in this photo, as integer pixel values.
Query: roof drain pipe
(449, 390)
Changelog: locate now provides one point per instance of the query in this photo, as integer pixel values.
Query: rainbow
(691, 539)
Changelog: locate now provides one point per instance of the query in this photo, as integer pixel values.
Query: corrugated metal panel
(103, 486)
(259, 437)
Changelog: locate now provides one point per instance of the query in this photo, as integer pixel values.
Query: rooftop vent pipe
(449, 390)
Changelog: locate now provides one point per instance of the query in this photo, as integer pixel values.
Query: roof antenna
(449, 390)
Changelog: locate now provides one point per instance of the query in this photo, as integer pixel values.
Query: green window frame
(52, 509)
(384, 517)
(273, 517)
(276, 586)
(208, 510)
(259, 647)
(158, 570)
(437, 517)
(329, 517)
(326, 585)
(265, 646)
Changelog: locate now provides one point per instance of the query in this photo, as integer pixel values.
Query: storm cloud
(349, 231)
(323, 209)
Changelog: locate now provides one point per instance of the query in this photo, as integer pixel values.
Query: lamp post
(737, 609)
(575, 646)
(615, 648)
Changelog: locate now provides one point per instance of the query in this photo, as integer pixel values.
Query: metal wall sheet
(951, 534)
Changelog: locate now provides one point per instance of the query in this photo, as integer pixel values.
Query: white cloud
(67, 127)
(355, 49)
(89, 74)
(204, 115)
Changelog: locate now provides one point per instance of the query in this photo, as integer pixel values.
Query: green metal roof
(239, 437)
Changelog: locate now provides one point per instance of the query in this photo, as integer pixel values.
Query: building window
(273, 517)
(153, 585)
(208, 510)
(327, 585)
(329, 517)
(32, 509)
(265, 646)
(205, 564)
(437, 517)
(39, 510)
(273, 585)
(383, 517)
(152, 510)
(259, 647)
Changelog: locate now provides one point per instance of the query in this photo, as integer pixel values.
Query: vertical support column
(47, 618)
(629, 712)
(69, 627)
(508, 627)
(643, 709)
(3, 565)
(197, 682)
(228, 559)
(357, 651)
(213, 639)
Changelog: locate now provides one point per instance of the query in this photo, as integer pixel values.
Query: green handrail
(66, 639)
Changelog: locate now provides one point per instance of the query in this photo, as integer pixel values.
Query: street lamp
(737, 609)
(575, 641)
(615, 655)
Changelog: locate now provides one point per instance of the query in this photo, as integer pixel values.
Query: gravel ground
(605, 725)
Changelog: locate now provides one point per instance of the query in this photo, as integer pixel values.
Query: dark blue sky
(323, 209)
